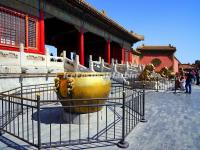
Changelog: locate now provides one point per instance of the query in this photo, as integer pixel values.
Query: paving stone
(173, 124)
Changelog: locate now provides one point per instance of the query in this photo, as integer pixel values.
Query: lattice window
(31, 33)
(12, 28)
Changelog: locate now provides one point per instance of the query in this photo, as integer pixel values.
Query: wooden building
(186, 67)
(160, 56)
(71, 25)
(135, 57)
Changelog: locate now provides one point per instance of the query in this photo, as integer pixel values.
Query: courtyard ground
(173, 124)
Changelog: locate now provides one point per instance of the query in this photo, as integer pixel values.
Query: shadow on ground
(50, 116)
(10, 144)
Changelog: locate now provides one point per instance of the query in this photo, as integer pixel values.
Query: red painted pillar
(41, 30)
(123, 55)
(81, 47)
(129, 60)
(130, 57)
(108, 51)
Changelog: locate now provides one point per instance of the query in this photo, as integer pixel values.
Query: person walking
(198, 76)
(188, 85)
(182, 83)
(194, 76)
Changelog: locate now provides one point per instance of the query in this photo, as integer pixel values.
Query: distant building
(160, 56)
(135, 57)
(186, 67)
(176, 64)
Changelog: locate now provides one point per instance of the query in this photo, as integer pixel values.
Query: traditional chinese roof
(186, 66)
(101, 16)
(177, 60)
(156, 48)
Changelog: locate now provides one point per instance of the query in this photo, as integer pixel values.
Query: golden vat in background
(75, 89)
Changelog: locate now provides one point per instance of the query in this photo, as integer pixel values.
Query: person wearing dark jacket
(197, 76)
(188, 85)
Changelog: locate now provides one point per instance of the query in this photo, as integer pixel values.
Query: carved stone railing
(120, 72)
(101, 66)
(21, 62)
(74, 66)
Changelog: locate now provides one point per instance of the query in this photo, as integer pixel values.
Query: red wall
(176, 64)
(166, 60)
(126, 56)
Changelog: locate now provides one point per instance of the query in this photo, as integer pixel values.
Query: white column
(47, 57)
(99, 59)
(91, 67)
(102, 65)
(112, 62)
(64, 54)
(127, 67)
(116, 62)
(76, 64)
(114, 68)
(64, 57)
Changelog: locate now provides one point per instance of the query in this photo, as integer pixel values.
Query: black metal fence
(34, 114)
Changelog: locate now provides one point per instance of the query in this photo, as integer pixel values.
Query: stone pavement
(173, 124)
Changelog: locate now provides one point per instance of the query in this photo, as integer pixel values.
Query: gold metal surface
(85, 86)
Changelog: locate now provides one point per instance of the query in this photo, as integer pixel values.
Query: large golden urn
(81, 92)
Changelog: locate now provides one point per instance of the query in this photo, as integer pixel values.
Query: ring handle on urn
(70, 86)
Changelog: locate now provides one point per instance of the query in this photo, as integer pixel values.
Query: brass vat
(76, 89)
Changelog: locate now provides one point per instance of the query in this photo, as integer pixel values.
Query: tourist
(177, 82)
(188, 85)
(193, 72)
(197, 76)
(182, 83)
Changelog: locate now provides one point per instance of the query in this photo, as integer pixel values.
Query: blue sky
(162, 22)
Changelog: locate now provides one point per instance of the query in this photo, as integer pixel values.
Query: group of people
(184, 81)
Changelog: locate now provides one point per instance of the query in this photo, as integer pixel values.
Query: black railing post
(2, 121)
(143, 105)
(157, 85)
(21, 92)
(123, 88)
(38, 121)
(122, 143)
(1, 130)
